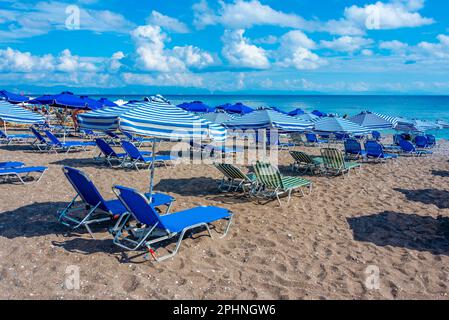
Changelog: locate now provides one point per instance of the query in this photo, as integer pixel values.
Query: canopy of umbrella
(296, 112)
(339, 125)
(218, 117)
(238, 108)
(318, 113)
(268, 119)
(16, 114)
(374, 121)
(197, 107)
(416, 125)
(12, 97)
(70, 101)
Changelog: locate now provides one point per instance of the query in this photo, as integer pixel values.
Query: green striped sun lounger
(334, 162)
(234, 178)
(306, 162)
(271, 184)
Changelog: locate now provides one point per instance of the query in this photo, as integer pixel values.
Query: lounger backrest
(311, 137)
(421, 141)
(131, 150)
(52, 138)
(112, 134)
(84, 187)
(2, 134)
(373, 148)
(231, 171)
(352, 146)
(268, 175)
(333, 158)
(431, 140)
(38, 135)
(138, 205)
(301, 157)
(376, 135)
(406, 146)
(397, 139)
(105, 148)
(128, 135)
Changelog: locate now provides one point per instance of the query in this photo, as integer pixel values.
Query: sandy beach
(394, 217)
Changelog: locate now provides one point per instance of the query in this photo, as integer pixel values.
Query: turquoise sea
(413, 107)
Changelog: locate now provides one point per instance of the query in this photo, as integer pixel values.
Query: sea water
(412, 107)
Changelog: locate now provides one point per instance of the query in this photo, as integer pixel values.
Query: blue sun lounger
(137, 140)
(9, 165)
(312, 139)
(109, 153)
(22, 174)
(98, 209)
(353, 149)
(409, 149)
(39, 143)
(66, 146)
(156, 228)
(136, 158)
(10, 138)
(374, 150)
(114, 138)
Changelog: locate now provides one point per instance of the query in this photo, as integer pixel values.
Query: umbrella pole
(152, 170)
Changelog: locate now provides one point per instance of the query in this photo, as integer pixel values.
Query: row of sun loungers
(135, 221)
(18, 172)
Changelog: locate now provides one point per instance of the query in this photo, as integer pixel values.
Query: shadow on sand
(199, 187)
(410, 231)
(441, 173)
(439, 198)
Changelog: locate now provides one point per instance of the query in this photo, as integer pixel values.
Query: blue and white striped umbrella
(308, 117)
(13, 113)
(374, 121)
(268, 119)
(416, 125)
(105, 119)
(218, 117)
(339, 125)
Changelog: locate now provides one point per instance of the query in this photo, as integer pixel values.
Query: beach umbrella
(296, 112)
(196, 106)
(308, 117)
(91, 104)
(218, 117)
(104, 102)
(13, 113)
(43, 100)
(339, 125)
(374, 121)
(416, 125)
(238, 108)
(12, 97)
(268, 119)
(159, 119)
(70, 101)
(319, 113)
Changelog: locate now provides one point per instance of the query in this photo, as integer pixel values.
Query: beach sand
(392, 218)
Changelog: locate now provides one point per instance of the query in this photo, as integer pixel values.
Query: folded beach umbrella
(269, 119)
(196, 106)
(296, 112)
(159, 119)
(238, 108)
(339, 125)
(16, 114)
(218, 117)
(374, 121)
(12, 97)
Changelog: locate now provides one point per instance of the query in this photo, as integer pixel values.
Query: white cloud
(166, 22)
(244, 14)
(295, 51)
(154, 56)
(241, 53)
(379, 16)
(393, 45)
(23, 20)
(181, 79)
(346, 44)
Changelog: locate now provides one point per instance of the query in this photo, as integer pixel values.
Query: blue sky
(241, 46)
